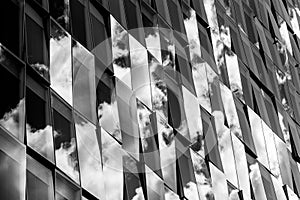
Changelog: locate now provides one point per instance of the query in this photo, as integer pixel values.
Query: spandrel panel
(12, 109)
(61, 63)
(112, 156)
(38, 128)
(84, 81)
(39, 181)
(12, 167)
(120, 52)
(65, 146)
(89, 157)
(65, 189)
(167, 152)
(140, 77)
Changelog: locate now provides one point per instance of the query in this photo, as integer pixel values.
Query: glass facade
(150, 100)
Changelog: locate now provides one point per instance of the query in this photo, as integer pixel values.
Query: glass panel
(158, 87)
(60, 11)
(37, 53)
(112, 157)
(78, 16)
(256, 182)
(11, 37)
(39, 181)
(61, 63)
(140, 71)
(65, 189)
(107, 108)
(12, 109)
(120, 52)
(38, 130)
(84, 82)
(65, 146)
(89, 157)
(12, 167)
(128, 119)
(258, 137)
(201, 85)
(241, 166)
(202, 176)
(193, 118)
(219, 183)
(155, 185)
(278, 189)
(167, 152)
(230, 111)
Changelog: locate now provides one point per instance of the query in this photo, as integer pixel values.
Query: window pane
(60, 62)
(39, 132)
(65, 146)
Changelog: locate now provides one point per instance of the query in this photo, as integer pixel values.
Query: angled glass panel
(140, 71)
(84, 82)
(278, 189)
(230, 111)
(225, 148)
(89, 157)
(112, 156)
(258, 137)
(12, 167)
(202, 176)
(65, 146)
(127, 108)
(167, 152)
(271, 150)
(61, 62)
(152, 39)
(193, 118)
(201, 85)
(219, 183)
(284, 163)
(39, 181)
(158, 87)
(257, 182)
(241, 166)
(120, 52)
(155, 185)
(107, 107)
(12, 109)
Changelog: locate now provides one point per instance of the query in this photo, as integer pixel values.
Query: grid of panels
(150, 99)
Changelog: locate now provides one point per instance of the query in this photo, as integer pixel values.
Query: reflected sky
(89, 157)
(13, 121)
(61, 64)
(120, 52)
